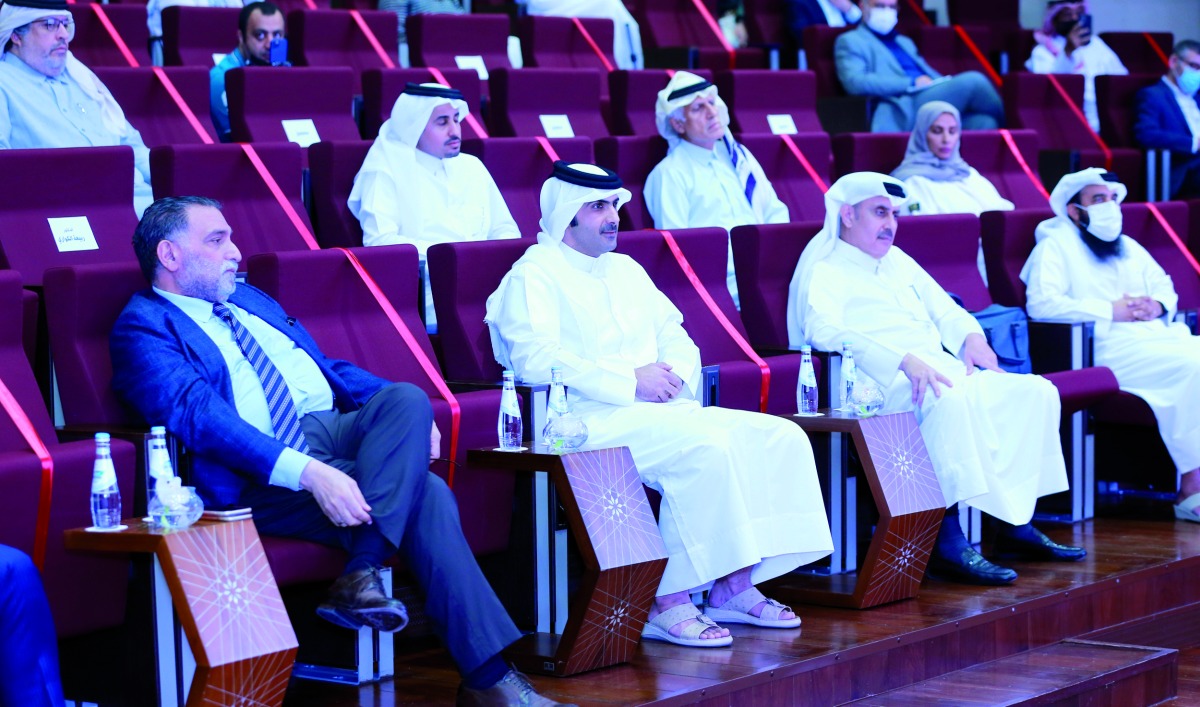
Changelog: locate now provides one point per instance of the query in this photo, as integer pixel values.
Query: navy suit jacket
(801, 14)
(172, 373)
(1161, 125)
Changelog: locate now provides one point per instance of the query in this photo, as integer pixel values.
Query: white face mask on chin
(1104, 221)
(882, 19)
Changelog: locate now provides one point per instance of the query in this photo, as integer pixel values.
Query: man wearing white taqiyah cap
(741, 502)
(1085, 269)
(992, 436)
(707, 177)
(48, 98)
(416, 186)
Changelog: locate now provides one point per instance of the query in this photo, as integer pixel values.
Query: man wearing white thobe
(416, 186)
(627, 35)
(992, 436)
(707, 178)
(1086, 270)
(741, 502)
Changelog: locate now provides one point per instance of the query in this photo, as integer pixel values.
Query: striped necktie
(741, 166)
(279, 401)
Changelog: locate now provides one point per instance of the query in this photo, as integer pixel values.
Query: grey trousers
(384, 446)
(973, 95)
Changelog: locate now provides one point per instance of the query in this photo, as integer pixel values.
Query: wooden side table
(228, 606)
(911, 507)
(622, 553)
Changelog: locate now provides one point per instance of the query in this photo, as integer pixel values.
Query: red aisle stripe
(1012, 147)
(410, 341)
(1082, 119)
(587, 37)
(545, 143)
(441, 78)
(716, 29)
(372, 39)
(182, 105)
(310, 4)
(280, 197)
(916, 6)
(721, 318)
(812, 173)
(1157, 49)
(974, 49)
(1187, 254)
(25, 427)
(112, 32)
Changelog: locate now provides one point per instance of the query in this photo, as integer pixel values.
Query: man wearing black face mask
(259, 24)
(1084, 269)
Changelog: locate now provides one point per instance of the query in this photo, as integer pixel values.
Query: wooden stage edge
(1139, 586)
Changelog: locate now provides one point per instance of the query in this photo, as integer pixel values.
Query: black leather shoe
(1029, 543)
(357, 599)
(969, 567)
(513, 690)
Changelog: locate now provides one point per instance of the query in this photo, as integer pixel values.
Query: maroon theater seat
(765, 258)
(198, 36)
(381, 88)
(333, 38)
(1116, 101)
(94, 46)
(1141, 52)
(150, 108)
(947, 247)
(30, 322)
(224, 172)
(332, 169)
(86, 590)
(437, 40)
(521, 98)
(462, 275)
(945, 50)
(322, 290)
(1004, 13)
(91, 182)
(795, 187)
(753, 95)
(633, 95)
(261, 98)
(520, 166)
(675, 34)
(632, 158)
(819, 41)
(556, 43)
(1142, 226)
(766, 25)
(706, 250)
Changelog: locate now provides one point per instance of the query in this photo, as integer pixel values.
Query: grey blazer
(867, 67)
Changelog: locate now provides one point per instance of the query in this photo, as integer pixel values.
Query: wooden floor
(1140, 584)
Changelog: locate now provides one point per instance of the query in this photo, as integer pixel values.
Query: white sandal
(659, 628)
(737, 611)
(1187, 509)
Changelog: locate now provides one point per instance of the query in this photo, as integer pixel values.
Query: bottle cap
(806, 349)
(102, 437)
(158, 430)
(846, 344)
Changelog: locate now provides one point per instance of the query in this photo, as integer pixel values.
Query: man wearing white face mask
(1168, 118)
(1084, 269)
(875, 60)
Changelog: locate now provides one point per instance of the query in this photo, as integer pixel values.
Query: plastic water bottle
(106, 497)
(849, 377)
(564, 432)
(158, 469)
(509, 426)
(806, 386)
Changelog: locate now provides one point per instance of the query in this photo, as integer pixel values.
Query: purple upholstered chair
(224, 172)
(945, 50)
(632, 95)
(765, 258)
(323, 291)
(332, 168)
(193, 35)
(149, 107)
(1141, 52)
(521, 97)
(755, 94)
(632, 157)
(1116, 102)
(679, 34)
(91, 182)
(261, 97)
(793, 184)
(555, 43)
(94, 46)
(333, 38)
(381, 88)
(86, 590)
(438, 40)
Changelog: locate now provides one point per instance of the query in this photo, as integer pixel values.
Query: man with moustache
(1085, 269)
(48, 98)
(1168, 118)
(416, 186)
(707, 177)
(319, 448)
(992, 436)
(259, 24)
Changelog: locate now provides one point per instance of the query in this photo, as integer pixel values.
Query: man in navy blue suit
(1168, 118)
(321, 449)
(833, 13)
(28, 649)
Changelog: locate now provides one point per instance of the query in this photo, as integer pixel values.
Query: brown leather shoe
(357, 599)
(513, 690)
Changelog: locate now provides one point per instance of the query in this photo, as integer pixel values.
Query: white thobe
(972, 195)
(992, 437)
(1157, 360)
(739, 488)
(695, 188)
(445, 201)
(1093, 59)
(627, 35)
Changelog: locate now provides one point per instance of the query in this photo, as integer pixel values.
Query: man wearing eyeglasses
(48, 98)
(260, 25)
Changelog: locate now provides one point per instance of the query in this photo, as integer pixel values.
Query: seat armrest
(710, 385)
(1060, 345)
(1190, 317)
